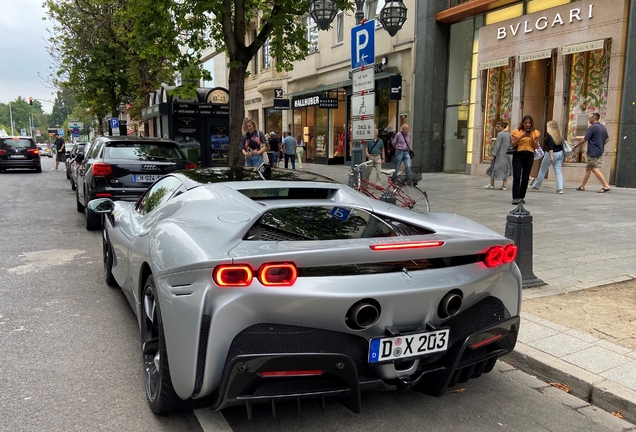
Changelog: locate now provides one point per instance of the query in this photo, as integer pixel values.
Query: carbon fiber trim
(203, 347)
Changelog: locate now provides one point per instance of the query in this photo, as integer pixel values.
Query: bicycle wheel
(412, 197)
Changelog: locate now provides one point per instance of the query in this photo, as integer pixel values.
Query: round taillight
(227, 276)
(284, 274)
(494, 256)
(509, 253)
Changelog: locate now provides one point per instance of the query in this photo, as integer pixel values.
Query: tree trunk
(237, 114)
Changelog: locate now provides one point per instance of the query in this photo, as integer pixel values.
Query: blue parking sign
(114, 123)
(363, 44)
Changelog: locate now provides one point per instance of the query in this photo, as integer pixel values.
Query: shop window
(311, 34)
(266, 60)
(339, 28)
(539, 5)
(589, 78)
(498, 103)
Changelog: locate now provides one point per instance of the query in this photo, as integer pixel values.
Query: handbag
(265, 157)
(567, 148)
(538, 153)
(511, 150)
(411, 154)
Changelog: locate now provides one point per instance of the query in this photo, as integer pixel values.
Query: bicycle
(406, 195)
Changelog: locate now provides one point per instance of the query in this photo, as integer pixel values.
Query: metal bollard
(519, 230)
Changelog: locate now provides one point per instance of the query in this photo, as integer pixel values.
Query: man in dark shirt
(61, 152)
(274, 146)
(596, 138)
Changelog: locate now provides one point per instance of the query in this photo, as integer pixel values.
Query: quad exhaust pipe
(363, 314)
(450, 304)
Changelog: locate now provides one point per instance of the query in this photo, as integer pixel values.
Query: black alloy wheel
(159, 390)
(108, 261)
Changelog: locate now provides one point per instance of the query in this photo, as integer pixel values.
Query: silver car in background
(255, 286)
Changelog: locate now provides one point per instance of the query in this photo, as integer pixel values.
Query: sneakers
(516, 201)
(489, 187)
(560, 191)
(536, 189)
(502, 188)
(532, 180)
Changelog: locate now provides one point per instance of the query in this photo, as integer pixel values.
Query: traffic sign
(363, 44)
(60, 132)
(363, 105)
(23, 132)
(114, 123)
(363, 80)
(363, 129)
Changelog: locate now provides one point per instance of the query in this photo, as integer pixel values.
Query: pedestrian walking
(596, 138)
(252, 143)
(500, 162)
(274, 146)
(553, 157)
(402, 144)
(525, 138)
(289, 150)
(375, 152)
(60, 146)
(300, 149)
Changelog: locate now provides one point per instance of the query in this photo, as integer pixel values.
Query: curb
(594, 389)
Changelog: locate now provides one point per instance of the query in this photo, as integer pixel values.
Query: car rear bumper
(344, 373)
(20, 163)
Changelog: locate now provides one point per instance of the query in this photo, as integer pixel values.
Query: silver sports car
(258, 287)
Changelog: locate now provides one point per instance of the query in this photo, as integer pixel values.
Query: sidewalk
(580, 240)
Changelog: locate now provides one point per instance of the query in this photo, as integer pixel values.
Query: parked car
(249, 290)
(45, 150)
(19, 152)
(70, 159)
(122, 168)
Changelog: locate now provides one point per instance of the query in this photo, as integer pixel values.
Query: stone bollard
(519, 230)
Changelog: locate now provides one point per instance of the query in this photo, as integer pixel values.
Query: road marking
(212, 421)
(40, 260)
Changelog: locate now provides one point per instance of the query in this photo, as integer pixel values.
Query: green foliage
(22, 113)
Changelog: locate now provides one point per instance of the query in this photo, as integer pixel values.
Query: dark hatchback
(122, 168)
(70, 160)
(19, 152)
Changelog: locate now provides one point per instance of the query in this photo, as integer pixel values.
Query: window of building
(311, 34)
(372, 11)
(266, 60)
(539, 5)
(504, 14)
(339, 27)
(499, 86)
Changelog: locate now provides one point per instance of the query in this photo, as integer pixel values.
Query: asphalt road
(70, 360)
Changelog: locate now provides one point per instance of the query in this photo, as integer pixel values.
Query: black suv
(122, 168)
(19, 152)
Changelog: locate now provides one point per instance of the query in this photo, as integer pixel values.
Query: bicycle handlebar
(367, 163)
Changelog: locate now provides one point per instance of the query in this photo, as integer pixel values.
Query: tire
(93, 220)
(413, 197)
(107, 251)
(80, 206)
(68, 175)
(73, 187)
(38, 169)
(159, 390)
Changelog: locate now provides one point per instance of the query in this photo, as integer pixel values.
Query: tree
(225, 25)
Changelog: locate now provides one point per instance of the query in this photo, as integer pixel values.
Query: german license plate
(407, 346)
(145, 178)
(17, 156)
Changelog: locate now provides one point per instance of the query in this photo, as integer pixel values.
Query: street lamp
(392, 15)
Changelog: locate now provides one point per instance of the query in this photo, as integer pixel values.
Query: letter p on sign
(363, 45)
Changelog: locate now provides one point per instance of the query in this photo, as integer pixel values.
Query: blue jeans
(255, 160)
(402, 156)
(293, 160)
(545, 164)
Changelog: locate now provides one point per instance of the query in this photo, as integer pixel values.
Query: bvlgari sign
(576, 14)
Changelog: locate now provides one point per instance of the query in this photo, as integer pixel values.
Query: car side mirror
(101, 206)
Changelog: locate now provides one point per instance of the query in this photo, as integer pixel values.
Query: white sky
(23, 52)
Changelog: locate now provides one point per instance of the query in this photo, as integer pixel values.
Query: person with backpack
(375, 152)
(252, 143)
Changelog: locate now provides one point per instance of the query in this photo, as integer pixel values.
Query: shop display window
(589, 77)
(498, 103)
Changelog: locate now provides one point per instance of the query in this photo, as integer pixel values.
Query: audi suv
(122, 168)
(19, 152)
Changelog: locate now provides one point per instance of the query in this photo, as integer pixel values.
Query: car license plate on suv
(145, 178)
(17, 156)
(407, 346)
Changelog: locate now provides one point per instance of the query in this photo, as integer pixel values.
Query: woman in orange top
(526, 139)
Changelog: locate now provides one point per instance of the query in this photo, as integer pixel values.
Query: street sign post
(363, 105)
(114, 126)
(363, 80)
(363, 44)
(363, 130)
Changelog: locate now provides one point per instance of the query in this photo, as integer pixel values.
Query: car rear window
(143, 151)
(327, 223)
(16, 143)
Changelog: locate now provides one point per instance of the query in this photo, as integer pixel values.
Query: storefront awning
(536, 55)
(334, 86)
(582, 47)
(494, 63)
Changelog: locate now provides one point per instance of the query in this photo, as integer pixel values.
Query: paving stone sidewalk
(580, 240)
